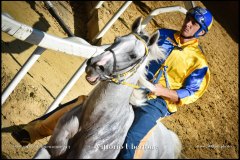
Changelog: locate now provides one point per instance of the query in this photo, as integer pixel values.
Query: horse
(98, 127)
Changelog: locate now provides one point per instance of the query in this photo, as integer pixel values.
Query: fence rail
(72, 45)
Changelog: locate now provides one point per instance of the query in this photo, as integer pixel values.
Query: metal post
(21, 73)
(67, 88)
(60, 21)
(76, 75)
(74, 78)
(45, 40)
(70, 45)
(193, 4)
(189, 4)
(111, 21)
(98, 5)
(162, 10)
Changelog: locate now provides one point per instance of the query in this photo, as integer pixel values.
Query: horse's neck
(109, 90)
(108, 99)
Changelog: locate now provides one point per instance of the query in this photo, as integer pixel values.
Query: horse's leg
(66, 128)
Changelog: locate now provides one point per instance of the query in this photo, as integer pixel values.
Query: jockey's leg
(43, 126)
(146, 118)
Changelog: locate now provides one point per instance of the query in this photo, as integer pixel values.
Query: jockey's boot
(22, 136)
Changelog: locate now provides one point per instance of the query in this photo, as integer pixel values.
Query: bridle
(118, 78)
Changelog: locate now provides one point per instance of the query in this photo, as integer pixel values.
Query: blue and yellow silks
(187, 70)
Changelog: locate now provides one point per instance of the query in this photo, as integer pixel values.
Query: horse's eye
(102, 68)
(133, 56)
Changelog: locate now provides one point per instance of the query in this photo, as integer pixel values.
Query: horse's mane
(155, 52)
(138, 97)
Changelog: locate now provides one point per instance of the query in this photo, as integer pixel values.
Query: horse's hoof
(21, 137)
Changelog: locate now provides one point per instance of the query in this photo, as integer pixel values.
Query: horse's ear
(153, 38)
(136, 27)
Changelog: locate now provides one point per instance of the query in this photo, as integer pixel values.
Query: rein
(116, 78)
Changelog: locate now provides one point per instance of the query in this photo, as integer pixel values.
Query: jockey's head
(197, 23)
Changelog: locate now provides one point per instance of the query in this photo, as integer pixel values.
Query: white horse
(98, 127)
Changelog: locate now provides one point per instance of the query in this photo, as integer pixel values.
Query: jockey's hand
(165, 92)
(159, 90)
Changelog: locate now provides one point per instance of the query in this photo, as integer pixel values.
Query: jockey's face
(190, 26)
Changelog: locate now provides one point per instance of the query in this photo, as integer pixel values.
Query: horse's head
(126, 51)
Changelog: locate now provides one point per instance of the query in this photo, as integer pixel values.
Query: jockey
(181, 78)
(185, 68)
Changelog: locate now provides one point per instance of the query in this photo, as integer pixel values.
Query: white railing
(97, 6)
(67, 87)
(73, 45)
(189, 4)
(111, 21)
(28, 34)
(43, 40)
(21, 73)
(158, 11)
(81, 69)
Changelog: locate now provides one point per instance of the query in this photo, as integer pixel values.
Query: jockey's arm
(167, 93)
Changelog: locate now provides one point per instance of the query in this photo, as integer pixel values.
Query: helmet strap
(196, 34)
(189, 37)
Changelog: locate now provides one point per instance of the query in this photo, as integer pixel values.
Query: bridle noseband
(116, 78)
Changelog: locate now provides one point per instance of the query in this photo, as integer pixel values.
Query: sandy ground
(207, 128)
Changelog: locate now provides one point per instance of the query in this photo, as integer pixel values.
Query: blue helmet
(203, 17)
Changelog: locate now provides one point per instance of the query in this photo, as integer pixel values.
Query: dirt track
(207, 128)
